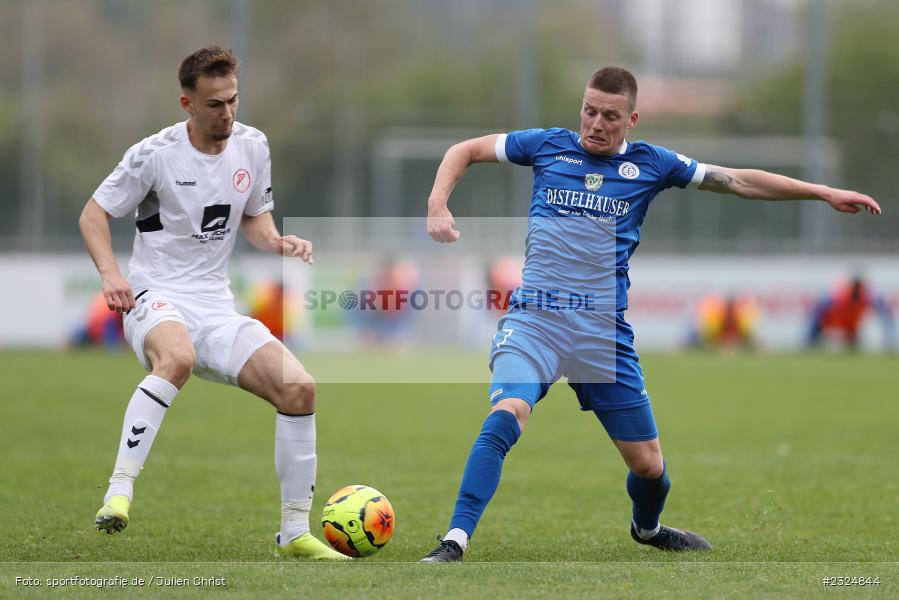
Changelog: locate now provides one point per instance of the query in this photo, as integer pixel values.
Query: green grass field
(787, 464)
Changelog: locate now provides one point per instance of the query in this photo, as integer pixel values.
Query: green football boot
(307, 546)
(113, 516)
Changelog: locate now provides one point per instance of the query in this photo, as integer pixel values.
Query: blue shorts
(593, 350)
(635, 424)
(533, 349)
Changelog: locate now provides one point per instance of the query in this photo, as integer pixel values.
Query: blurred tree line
(326, 81)
(863, 116)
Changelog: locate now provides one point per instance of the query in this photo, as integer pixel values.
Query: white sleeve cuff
(261, 211)
(114, 211)
(698, 176)
(501, 148)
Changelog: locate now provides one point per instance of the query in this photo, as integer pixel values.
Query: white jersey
(188, 205)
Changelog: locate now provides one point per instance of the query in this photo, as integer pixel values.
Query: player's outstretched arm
(762, 185)
(94, 225)
(262, 233)
(441, 225)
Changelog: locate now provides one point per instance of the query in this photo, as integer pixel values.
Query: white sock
(457, 535)
(295, 463)
(645, 534)
(143, 418)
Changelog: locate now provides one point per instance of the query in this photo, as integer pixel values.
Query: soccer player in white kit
(193, 185)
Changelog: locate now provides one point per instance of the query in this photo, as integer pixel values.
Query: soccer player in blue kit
(591, 191)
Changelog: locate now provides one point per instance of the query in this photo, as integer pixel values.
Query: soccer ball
(358, 520)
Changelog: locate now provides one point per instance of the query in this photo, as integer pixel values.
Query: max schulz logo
(215, 217)
(214, 226)
(592, 181)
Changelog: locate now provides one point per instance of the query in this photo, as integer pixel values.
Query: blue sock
(649, 498)
(482, 471)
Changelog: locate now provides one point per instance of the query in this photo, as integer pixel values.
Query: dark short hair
(213, 61)
(615, 80)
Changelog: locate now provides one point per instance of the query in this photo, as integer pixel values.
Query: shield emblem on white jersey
(592, 181)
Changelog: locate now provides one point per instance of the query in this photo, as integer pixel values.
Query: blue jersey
(585, 214)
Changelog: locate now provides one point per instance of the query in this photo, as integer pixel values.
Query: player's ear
(185, 104)
(635, 116)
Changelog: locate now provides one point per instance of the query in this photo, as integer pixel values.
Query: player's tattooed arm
(717, 180)
(762, 185)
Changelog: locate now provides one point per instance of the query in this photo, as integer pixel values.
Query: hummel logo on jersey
(574, 161)
(191, 183)
(215, 217)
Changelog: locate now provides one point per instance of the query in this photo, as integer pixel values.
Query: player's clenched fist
(441, 226)
(291, 245)
(118, 294)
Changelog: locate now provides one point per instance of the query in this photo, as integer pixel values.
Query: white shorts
(223, 339)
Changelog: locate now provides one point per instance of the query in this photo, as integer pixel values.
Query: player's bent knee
(176, 365)
(648, 467)
(516, 406)
(297, 398)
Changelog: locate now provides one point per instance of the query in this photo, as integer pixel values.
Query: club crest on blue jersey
(592, 181)
(629, 170)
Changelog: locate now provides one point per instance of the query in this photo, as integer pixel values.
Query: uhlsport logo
(629, 170)
(241, 180)
(592, 181)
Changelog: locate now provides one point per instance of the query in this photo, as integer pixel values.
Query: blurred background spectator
(838, 317)
(724, 322)
(101, 326)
